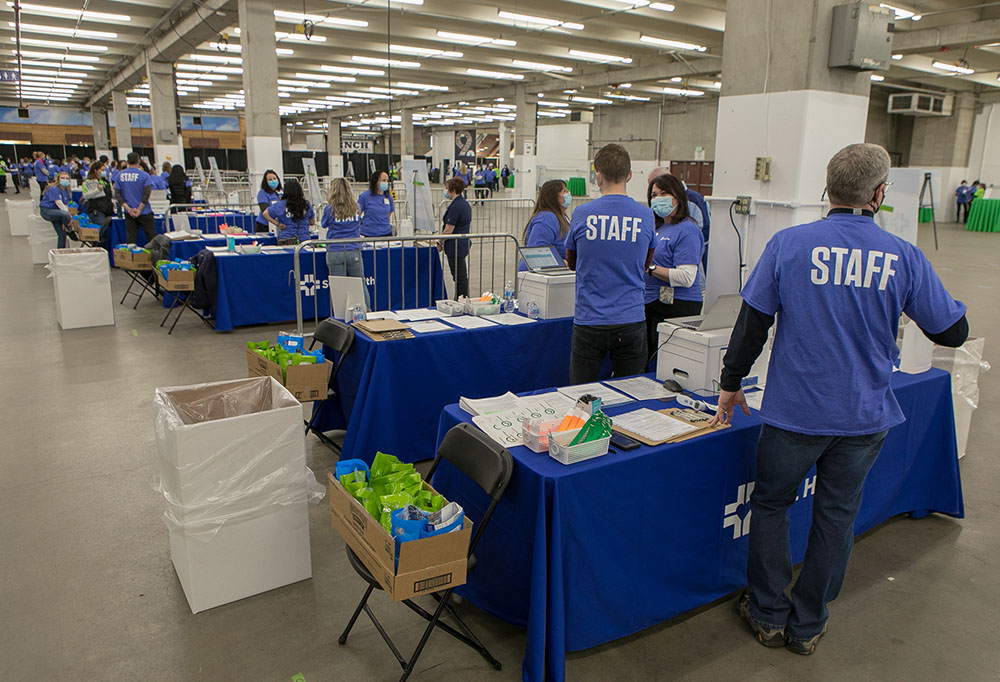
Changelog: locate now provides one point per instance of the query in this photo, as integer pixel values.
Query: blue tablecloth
(77, 196)
(208, 224)
(390, 393)
(187, 248)
(258, 289)
(588, 553)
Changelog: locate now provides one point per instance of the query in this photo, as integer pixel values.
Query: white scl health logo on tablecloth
(741, 524)
(308, 285)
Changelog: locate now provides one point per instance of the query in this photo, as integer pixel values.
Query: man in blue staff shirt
(838, 287)
(609, 245)
(132, 189)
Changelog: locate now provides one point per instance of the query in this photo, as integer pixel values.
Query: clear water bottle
(508, 304)
(357, 314)
(532, 310)
(508, 290)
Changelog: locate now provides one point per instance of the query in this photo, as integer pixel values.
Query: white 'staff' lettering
(851, 267)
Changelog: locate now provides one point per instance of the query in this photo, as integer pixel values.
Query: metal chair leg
(471, 641)
(354, 618)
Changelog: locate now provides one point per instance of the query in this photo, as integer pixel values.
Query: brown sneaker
(766, 636)
(807, 647)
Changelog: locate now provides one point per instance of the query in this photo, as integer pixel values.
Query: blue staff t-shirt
(341, 229)
(158, 182)
(289, 226)
(269, 198)
(838, 287)
(543, 230)
(132, 182)
(612, 236)
(375, 210)
(41, 171)
(52, 194)
(679, 244)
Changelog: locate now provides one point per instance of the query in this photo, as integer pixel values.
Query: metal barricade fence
(494, 215)
(209, 216)
(491, 263)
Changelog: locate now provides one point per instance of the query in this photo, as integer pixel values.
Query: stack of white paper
(608, 396)
(418, 314)
(428, 326)
(652, 426)
(470, 322)
(492, 405)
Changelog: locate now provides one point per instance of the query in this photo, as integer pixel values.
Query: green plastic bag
(382, 464)
(596, 428)
(389, 504)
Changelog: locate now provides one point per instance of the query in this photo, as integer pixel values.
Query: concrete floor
(88, 591)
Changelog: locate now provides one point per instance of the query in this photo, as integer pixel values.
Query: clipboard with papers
(671, 425)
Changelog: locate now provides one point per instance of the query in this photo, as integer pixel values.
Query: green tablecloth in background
(577, 187)
(926, 215)
(984, 216)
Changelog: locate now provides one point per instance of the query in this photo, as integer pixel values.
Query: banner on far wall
(465, 145)
(364, 145)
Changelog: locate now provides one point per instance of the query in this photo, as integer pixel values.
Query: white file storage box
(82, 280)
(17, 216)
(554, 294)
(231, 458)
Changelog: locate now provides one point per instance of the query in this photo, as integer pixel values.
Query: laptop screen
(541, 257)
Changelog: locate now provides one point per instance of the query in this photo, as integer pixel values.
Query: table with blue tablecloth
(207, 223)
(588, 553)
(391, 393)
(258, 289)
(185, 249)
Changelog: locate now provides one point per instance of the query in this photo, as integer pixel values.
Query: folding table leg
(173, 304)
(354, 618)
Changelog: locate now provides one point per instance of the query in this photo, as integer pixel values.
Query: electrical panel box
(861, 37)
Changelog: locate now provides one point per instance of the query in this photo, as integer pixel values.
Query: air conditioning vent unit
(920, 104)
(582, 117)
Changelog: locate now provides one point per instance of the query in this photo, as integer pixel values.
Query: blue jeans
(60, 220)
(783, 460)
(347, 264)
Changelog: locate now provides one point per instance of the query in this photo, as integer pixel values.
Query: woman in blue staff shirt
(673, 282)
(269, 194)
(548, 224)
(293, 215)
(340, 218)
(457, 220)
(376, 206)
(157, 180)
(54, 206)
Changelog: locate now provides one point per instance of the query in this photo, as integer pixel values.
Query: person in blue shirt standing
(376, 206)
(839, 286)
(457, 220)
(132, 190)
(41, 170)
(268, 195)
(54, 206)
(609, 245)
(673, 282)
(340, 219)
(548, 224)
(293, 215)
(963, 197)
(165, 170)
(157, 180)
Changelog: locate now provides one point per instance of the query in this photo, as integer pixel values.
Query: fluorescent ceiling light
(64, 31)
(900, 12)
(57, 57)
(536, 66)
(45, 98)
(61, 73)
(326, 77)
(202, 76)
(226, 47)
(676, 44)
(303, 83)
(87, 15)
(394, 91)
(954, 68)
(598, 57)
(422, 86)
(213, 58)
(75, 47)
(495, 74)
(662, 6)
(467, 39)
(210, 68)
(56, 65)
(676, 79)
(634, 3)
(378, 61)
(551, 114)
(50, 79)
(877, 78)
(539, 21)
(897, 57)
(425, 51)
(351, 71)
(682, 92)
(297, 18)
(629, 98)
(299, 37)
(551, 103)
(591, 100)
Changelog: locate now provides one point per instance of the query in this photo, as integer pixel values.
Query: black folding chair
(340, 337)
(489, 465)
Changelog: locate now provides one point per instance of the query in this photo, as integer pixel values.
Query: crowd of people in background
(965, 194)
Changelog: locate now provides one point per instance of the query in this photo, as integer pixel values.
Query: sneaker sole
(744, 613)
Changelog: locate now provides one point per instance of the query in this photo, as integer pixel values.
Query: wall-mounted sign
(361, 145)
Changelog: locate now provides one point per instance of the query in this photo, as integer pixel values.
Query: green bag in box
(389, 504)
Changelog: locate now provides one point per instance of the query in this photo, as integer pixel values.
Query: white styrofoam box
(82, 281)
(964, 364)
(17, 216)
(243, 558)
(694, 358)
(4, 220)
(554, 294)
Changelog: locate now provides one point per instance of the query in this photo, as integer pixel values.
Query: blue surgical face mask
(383, 186)
(567, 199)
(662, 206)
(104, 173)
(64, 182)
(273, 184)
(446, 195)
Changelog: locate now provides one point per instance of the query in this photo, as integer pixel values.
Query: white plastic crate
(537, 439)
(561, 451)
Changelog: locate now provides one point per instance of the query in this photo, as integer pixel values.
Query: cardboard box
(425, 566)
(133, 261)
(176, 280)
(306, 382)
(86, 234)
(233, 451)
(73, 210)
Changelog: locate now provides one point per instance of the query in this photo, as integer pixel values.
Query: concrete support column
(524, 159)
(443, 151)
(260, 87)
(334, 151)
(504, 145)
(783, 103)
(406, 150)
(102, 137)
(163, 112)
(123, 127)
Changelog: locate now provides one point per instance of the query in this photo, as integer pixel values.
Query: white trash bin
(42, 237)
(17, 216)
(4, 220)
(82, 279)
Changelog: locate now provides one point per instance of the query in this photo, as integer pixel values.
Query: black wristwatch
(652, 266)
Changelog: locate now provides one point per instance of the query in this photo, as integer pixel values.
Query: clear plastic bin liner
(968, 362)
(254, 489)
(89, 261)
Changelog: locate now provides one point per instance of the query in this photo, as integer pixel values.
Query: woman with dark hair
(292, 215)
(673, 282)
(268, 195)
(100, 209)
(548, 224)
(179, 186)
(457, 220)
(376, 206)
